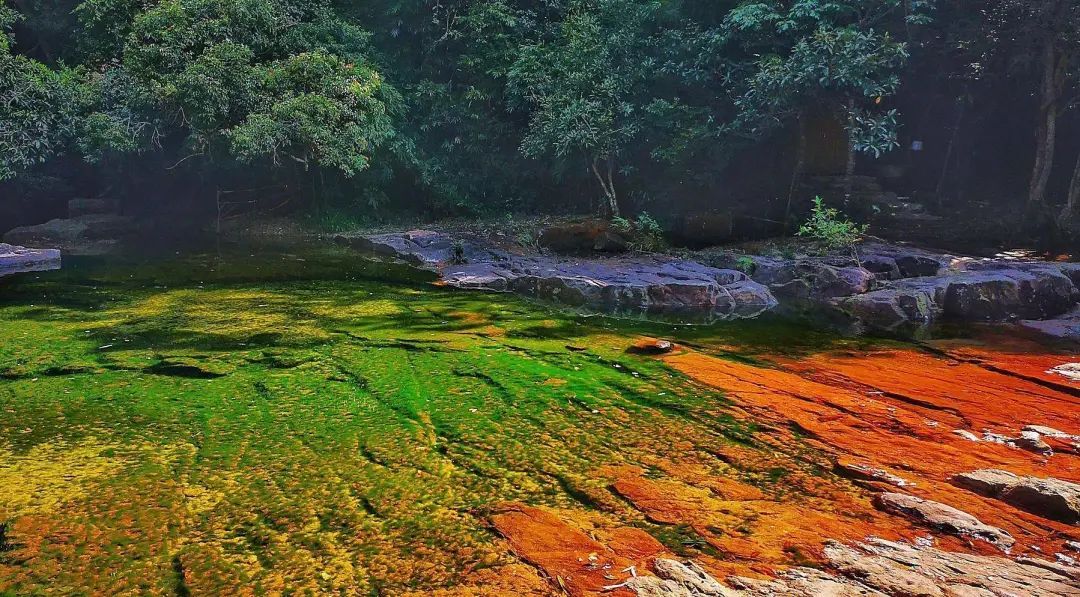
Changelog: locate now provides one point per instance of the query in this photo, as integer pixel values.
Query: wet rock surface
(1050, 498)
(642, 284)
(15, 259)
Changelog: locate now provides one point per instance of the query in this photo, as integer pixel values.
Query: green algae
(204, 424)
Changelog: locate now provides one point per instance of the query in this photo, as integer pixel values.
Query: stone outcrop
(14, 259)
(880, 286)
(1050, 498)
(90, 234)
(646, 284)
(943, 518)
(874, 567)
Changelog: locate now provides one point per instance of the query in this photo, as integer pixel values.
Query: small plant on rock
(832, 229)
(645, 234)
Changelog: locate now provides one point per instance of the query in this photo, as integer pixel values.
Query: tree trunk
(797, 171)
(849, 171)
(606, 178)
(939, 192)
(1046, 133)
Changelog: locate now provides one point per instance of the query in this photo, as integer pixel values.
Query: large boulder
(943, 518)
(1050, 498)
(912, 303)
(14, 260)
(90, 234)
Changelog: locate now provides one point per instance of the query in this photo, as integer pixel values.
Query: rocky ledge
(641, 284)
(875, 567)
(881, 286)
(14, 259)
(903, 289)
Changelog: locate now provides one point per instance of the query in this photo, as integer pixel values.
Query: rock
(875, 567)
(865, 472)
(583, 237)
(1001, 294)
(1050, 498)
(913, 303)
(808, 279)
(909, 262)
(1065, 326)
(894, 568)
(1050, 431)
(624, 285)
(1032, 442)
(14, 260)
(988, 482)
(92, 234)
(650, 346)
(1069, 370)
(942, 517)
(971, 437)
(803, 279)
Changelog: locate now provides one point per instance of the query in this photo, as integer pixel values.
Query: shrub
(644, 233)
(832, 229)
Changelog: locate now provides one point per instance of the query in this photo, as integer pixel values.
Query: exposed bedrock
(1050, 498)
(650, 284)
(874, 567)
(879, 286)
(15, 260)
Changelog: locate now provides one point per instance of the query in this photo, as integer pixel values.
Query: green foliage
(829, 227)
(476, 104)
(645, 234)
(746, 265)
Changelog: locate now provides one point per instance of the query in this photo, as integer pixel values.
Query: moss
(202, 425)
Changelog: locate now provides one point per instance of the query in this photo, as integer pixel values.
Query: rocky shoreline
(889, 288)
(17, 260)
(641, 284)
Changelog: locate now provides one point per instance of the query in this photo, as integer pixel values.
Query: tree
(585, 87)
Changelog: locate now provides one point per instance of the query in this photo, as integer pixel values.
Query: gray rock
(92, 234)
(942, 517)
(913, 303)
(636, 285)
(875, 567)
(1050, 498)
(14, 260)
(1065, 326)
(988, 482)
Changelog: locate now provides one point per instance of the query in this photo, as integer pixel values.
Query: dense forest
(459, 107)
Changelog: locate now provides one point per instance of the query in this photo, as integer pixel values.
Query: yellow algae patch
(52, 473)
(361, 308)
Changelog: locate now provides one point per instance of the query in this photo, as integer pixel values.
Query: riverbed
(258, 423)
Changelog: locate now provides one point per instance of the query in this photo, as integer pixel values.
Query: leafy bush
(831, 228)
(645, 234)
(746, 265)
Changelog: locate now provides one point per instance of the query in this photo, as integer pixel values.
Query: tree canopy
(474, 104)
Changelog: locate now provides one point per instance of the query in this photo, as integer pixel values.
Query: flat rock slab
(645, 284)
(943, 518)
(875, 567)
(1050, 498)
(15, 259)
